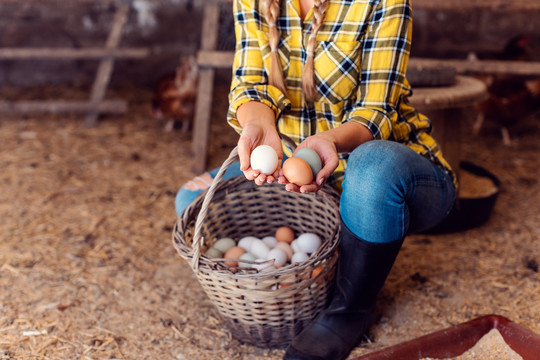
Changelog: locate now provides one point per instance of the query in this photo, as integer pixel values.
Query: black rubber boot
(361, 272)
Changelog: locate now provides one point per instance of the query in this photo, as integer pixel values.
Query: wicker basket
(265, 309)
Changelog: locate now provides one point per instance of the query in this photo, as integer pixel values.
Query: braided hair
(271, 11)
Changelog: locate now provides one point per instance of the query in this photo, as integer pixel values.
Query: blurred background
(169, 28)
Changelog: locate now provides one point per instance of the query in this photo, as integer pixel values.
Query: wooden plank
(61, 106)
(210, 27)
(224, 59)
(203, 107)
(201, 125)
(210, 2)
(489, 5)
(526, 68)
(215, 59)
(72, 54)
(105, 68)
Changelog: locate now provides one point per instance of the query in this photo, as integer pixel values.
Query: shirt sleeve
(385, 54)
(250, 79)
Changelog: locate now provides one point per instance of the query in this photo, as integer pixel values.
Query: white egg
(264, 159)
(309, 242)
(249, 257)
(298, 257)
(270, 241)
(268, 268)
(246, 241)
(279, 256)
(224, 244)
(263, 265)
(295, 246)
(259, 248)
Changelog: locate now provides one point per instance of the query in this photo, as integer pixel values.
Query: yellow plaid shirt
(360, 64)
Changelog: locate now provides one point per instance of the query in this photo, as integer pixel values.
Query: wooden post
(61, 106)
(71, 54)
(203, 108)
(105, 68)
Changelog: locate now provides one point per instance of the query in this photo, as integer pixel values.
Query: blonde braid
(275, 75)
(308, 76)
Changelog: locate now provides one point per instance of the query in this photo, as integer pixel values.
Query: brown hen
(175, 94)
(510, 97)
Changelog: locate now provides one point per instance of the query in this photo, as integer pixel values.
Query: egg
(316, 271)
(285, 234)
(259, 248)
(295, 246)
(249, 257)
(246, 241)
(264, 159)
(312, 158)
(213, 253)
(309, 242)
(271, 241)
(279, 256)
(298, 257)
(297, 171)
(285, 247)
(264, 265)
(224, 244)
(233, 253)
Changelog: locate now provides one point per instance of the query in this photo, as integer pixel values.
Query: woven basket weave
(266, 309)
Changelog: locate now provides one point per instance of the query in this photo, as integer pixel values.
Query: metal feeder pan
(469, 213)
(456, 340)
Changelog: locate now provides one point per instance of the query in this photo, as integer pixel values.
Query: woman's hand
(325, 147)
(328, 144)
(258, 128)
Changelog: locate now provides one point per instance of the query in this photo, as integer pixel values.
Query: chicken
(175, 94)
(510, 97)
(517, 48)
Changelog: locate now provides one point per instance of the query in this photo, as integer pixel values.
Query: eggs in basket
(267, 253)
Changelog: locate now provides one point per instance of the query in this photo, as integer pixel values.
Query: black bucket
(470, 212)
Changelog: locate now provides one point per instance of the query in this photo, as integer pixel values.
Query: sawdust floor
(88, 270)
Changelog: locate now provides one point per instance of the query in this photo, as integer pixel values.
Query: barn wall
(172, 27)
(455, 33)
(169, 27)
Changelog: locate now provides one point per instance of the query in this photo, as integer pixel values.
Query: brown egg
(233, 253)
(284, 234)
(316, 271)
(297, 171)
(285, 247)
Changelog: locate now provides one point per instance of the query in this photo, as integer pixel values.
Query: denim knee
(389, 190)
(372, 203)
(184, 197)
(378, 166)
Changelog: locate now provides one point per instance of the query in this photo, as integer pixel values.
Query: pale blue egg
(312, 158)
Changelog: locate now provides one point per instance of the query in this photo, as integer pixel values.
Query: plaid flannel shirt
(360, 62)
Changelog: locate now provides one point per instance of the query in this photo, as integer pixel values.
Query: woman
(330, 75)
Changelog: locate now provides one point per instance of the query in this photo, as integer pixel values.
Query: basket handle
(198, 241)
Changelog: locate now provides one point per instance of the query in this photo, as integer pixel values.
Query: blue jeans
(389, 191)
(184, 197)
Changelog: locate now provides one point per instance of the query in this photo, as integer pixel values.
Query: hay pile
(88, 271)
